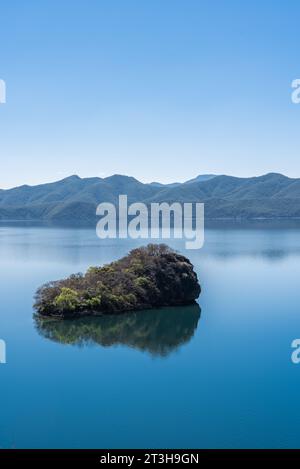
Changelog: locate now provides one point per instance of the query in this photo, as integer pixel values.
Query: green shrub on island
(148, 277)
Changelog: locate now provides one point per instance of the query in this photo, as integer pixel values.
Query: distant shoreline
(277, 222)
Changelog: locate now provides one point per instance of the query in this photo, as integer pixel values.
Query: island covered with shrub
(148, 277)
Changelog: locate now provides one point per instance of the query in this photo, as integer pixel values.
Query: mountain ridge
(272, 195)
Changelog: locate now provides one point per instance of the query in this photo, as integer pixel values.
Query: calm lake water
(221, 377)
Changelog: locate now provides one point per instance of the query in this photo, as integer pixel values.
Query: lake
(218, 375)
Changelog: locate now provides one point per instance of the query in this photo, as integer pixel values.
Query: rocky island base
(148, 277)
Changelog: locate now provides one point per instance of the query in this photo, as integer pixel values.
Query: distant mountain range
(75, 199)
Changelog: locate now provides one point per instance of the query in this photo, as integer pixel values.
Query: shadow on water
(158, 332)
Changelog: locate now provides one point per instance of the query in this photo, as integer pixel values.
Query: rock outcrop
(148, 277)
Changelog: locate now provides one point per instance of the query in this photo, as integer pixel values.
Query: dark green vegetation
(158, 331)
(74, 200)
(147, 277)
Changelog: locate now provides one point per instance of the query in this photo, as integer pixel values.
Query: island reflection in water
(158, 332)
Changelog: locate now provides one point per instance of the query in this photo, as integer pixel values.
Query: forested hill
(75, 199)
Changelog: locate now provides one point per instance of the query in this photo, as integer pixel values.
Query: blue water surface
(220, 379)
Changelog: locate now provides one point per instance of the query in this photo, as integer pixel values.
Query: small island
(148, 277)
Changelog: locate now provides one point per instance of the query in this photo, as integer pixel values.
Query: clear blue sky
(160, 90)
